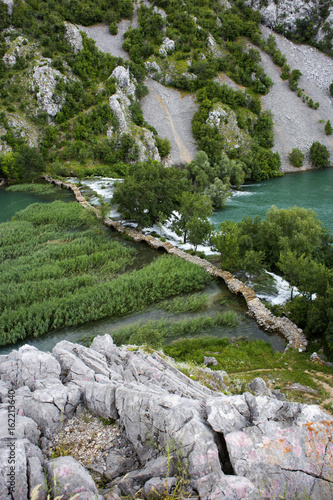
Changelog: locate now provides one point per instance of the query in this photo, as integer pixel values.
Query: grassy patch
(245, 360)
(155, 333)
(192, 303)
(33, 188)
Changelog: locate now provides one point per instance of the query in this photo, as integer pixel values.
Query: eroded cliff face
(285, 14)
(235, 447)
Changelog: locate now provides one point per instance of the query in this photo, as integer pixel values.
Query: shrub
(319, 155)
(296, 158)
(328, 128)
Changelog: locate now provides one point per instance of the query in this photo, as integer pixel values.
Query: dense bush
(296, 157)
(319, 155)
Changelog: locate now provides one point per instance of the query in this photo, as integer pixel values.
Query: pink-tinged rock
(67, 477)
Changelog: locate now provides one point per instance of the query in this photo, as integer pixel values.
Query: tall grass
(191, 303)
(33, 188)
(56, 275)
(155, 333)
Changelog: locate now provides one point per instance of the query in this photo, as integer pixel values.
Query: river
(220, 298)
(312, 189)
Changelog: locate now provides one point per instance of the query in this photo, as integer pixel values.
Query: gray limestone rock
(155, 487)
(167, 46)
(259, 387)
(10, 4)
(223, 415)
(124, 81)
(28, 364)
(49, 406)
(44, 80)
(117, 465)
(156, 467)
(73, 36)
(72, 368)
(36, 477)
(210, 360)
(179, 423)
(23, 427)
(100, 399)
(67, 477)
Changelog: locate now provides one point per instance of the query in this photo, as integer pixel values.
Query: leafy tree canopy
(149, 190)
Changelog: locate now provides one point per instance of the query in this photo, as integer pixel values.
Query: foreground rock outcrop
(233, 447)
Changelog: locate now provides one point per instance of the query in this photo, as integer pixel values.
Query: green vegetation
(319, 155)
(296, 158)
(149, 190)
(75, 140)
(192, 303)
(32, 188)
(295, 243)
(156, 333)
(328, 128)
(243, 360)
(58, 252)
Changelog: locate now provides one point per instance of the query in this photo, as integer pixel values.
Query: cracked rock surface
(232, 447)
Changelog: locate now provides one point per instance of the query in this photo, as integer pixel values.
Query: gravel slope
(171, 114)
(295, 124)
(107, 42)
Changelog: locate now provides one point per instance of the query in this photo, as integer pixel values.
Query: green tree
(193, 207)
(199, 171)
(148, 190)
(199, 230)
(226, 242)
(319, 155)
(331, 89)
(296, 157)
(218, 193)
(163, 146)
(328, 128)
(30, 162)
(9, 166)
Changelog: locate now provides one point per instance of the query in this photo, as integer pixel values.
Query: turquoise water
(313, 189)
(11, 202)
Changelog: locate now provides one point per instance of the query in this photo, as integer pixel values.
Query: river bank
(257, 310)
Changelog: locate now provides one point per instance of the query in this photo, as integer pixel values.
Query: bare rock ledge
(232, 447)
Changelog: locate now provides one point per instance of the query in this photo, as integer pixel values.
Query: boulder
(48, 407)
(67, 477)
(157, 486)
(36, 478)
(117, 465)
(259, 387)
(210, 360)
(123, 79)
(27, 365)
(100, 399)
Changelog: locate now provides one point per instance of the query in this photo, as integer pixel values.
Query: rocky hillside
(170, 434)
(304, 21)
(194, 82)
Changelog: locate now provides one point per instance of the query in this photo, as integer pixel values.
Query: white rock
(124, 81)
(159, 11)
(167, 46)
(44, 81)
(73, 36)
